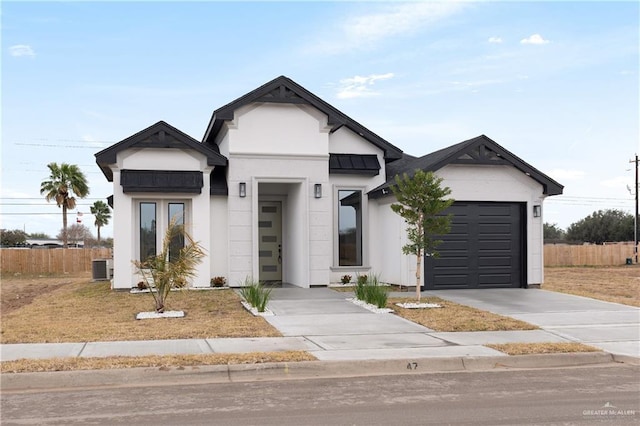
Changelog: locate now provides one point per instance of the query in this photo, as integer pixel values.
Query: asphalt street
(579, 395)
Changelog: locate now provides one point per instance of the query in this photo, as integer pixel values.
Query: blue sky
(556, 83)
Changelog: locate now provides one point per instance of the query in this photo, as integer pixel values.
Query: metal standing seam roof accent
(288, 91)
(169, 181)
(168, 137)
(218, 181)
(363, 164)
(438, 159)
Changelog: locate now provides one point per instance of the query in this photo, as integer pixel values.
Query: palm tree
(162, 272)
(100, 210)
(65, 181)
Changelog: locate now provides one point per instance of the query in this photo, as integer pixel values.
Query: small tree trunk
(64, 225)
(419, 261)
(98, 235)
(159, 305)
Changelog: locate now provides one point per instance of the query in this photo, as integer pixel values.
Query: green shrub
(255, 294)
(359, 290)
(371, 291)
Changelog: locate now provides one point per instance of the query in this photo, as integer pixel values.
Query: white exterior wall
(344, 141)
(125, 217)
(469, 183)
(285, 145)
(219, 223)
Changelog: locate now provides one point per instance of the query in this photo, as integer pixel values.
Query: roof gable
(479, 150)
(284, 90)
(159, 135)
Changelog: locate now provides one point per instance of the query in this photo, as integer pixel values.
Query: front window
(147, 230)
(176, 215)
(349, 228)
(154, 217)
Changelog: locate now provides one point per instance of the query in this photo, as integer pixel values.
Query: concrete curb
(626, 359)
(133, 377)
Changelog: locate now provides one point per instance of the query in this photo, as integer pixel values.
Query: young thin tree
(100, 210)
(421, 200)
(66, 181)
(162, 272)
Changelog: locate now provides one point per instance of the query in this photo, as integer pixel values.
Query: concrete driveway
(611, 327)
(336, 329)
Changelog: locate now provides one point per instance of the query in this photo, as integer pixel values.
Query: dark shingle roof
(284, 90)
(159, 135)
(479, 150)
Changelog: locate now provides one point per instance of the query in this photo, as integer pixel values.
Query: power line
(37, 214)
(40, 198)
(57, 146)
(572, 197)
(67, 140)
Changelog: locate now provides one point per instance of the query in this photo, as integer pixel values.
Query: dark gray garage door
(483, 250)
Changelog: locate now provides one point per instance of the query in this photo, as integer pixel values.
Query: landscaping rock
(154, 315)
(254, 311)
(415, 305)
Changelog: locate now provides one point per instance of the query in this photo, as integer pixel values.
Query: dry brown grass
(541, 348)
(613, 284)
(79, 311)
(18, 290)
(455, 317)
(165, 361)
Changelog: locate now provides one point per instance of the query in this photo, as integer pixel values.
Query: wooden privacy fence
(587, 255)
(50, 261)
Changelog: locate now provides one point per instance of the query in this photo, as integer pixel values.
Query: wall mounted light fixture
(242, 189)
(537, 210)
(317, 190)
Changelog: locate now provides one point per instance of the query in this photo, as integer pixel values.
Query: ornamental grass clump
(371, 291)
(255, 294)
(172, 267)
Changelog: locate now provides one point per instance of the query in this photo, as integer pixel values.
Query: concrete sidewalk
(612, 327)
(323, 323)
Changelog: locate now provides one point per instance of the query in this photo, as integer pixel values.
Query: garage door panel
(491, 229)
(497, 245)
(494, 261)
(495, 281)
(453, 246)
(453, 281)
(459, 229)
(484, 251)
(452, 262)
(493, 209)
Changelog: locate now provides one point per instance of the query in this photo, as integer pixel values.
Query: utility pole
(635, 218)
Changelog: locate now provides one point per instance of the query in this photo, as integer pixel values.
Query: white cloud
(91, 141)
(365, 31)
(495, 40)
(566, 174)
(617, 182)
(534, 39)
(21, 50)
(360, 86)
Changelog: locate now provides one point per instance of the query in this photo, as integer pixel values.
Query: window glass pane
(349, 228)
(147, 230)
(176, 214)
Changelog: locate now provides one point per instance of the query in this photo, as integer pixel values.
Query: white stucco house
(284, 187)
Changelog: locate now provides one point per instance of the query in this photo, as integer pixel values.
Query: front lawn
(78, 310)
(159, 361)
(455, 317)
(618, 284)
